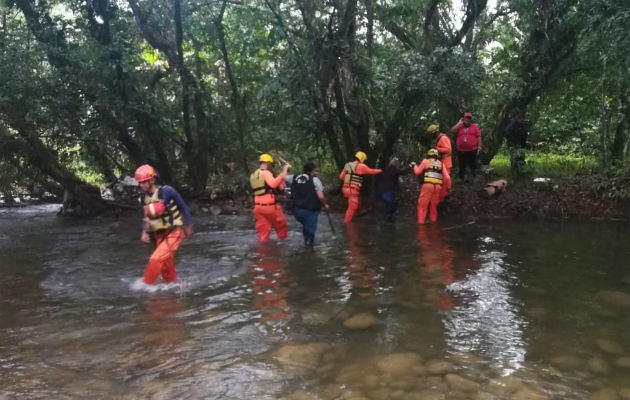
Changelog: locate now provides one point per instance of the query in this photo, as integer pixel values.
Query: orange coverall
(444, 148)
(430, 192)
(351, 191)
(268, 213)
(162, 260)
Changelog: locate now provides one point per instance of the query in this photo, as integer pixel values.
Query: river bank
(568, 198)
(571, 198)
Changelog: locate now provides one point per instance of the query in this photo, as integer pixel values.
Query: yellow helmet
(433, 153)
(361, 156)
(265, 158)
(432, 128)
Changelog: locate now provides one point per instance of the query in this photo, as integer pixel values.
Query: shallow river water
(457, 310)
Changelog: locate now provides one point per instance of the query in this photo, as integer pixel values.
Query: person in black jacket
(307, 195)
(516, 138)
(387, 186)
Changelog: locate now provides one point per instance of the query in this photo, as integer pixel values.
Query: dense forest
(89, 89)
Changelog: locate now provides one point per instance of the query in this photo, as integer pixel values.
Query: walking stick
(330, 223)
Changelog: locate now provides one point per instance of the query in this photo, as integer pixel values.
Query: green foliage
(308, 80)
(547, 165)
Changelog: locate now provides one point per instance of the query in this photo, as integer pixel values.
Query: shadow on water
(453, 310)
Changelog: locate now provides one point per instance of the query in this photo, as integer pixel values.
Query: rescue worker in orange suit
(352, 177)
(269, 283)
(267, 210)
(443, 146)
(165, 213)
(432, 175)
(436, 266)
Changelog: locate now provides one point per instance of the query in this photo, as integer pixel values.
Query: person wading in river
(267, 210)
(433, 175)
(443, 146)
(165, 213)
(307, 193)
(352, 177)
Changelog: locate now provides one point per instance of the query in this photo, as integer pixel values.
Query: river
(457, 310)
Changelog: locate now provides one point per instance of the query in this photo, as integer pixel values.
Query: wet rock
(439, 367)
(623, 362)
(428, 394)
(314, 317)
(300, 395)
(300, 358)
(538, 312)
(215, 210)
(605, 394)
(485, 396)
(530, 393)
(398, 363)
(598, 365)
(624, 393)
(361, 320)
(354, 373)
(567, 361)
(614, 298)
(419, 370)
(609, 346)
(460, 383)
(372, 381)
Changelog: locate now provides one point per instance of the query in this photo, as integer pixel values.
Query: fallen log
(493, 188)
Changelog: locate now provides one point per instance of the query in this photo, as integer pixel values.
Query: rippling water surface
(457, 310)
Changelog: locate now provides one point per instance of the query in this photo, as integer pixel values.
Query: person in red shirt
(433, 175)
(352, 177)
(467, 144)
(443, 146)
(267, 210)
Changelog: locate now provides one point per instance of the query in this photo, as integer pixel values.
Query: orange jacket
(445, 150)
(361, 169)
(419, 170)
(274, 183)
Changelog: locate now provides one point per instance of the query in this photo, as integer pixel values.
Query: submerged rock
(609, 346)
(439, 367)
(605, 394)
(300, 358)
(598, 365)
(623, 362)
(428, 394)
(567, 361)
(398, 363)
(614, 298)
(361, 320)
(459, 383)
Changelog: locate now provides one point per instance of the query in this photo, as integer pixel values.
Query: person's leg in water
(162, 261)
(389, 199)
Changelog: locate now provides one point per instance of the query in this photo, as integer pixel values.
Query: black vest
(303, 193)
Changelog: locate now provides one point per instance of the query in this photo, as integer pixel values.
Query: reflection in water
(486, 320)
(268, 274)
(362, 278)
(436, 266)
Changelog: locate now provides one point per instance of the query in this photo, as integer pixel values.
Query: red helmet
(154, 210)
(144, 173)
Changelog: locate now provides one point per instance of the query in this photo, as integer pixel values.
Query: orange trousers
(443, 191)
(429, 198)
(162, 261)
(268, 216)
(354, 201)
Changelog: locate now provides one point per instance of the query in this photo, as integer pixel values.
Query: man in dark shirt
(516, 138)
(387, 186)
